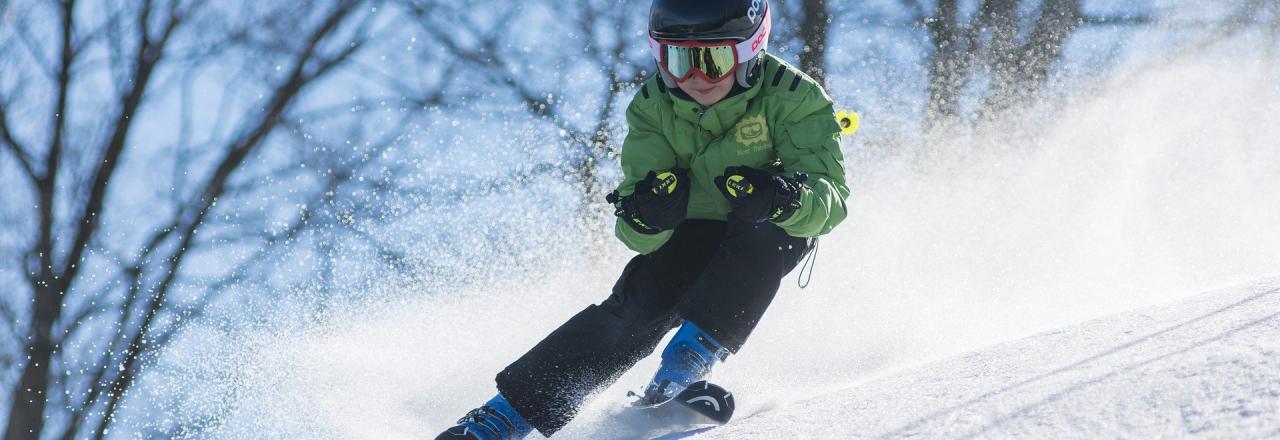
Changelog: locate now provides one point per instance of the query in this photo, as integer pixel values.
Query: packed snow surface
(1208, 366)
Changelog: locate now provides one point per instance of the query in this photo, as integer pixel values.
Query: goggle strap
(655, 48)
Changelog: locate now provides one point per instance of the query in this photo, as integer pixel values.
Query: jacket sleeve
(644, 149)
(810, 144)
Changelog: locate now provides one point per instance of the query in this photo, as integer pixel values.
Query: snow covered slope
(1119, 204)
(1208, 366)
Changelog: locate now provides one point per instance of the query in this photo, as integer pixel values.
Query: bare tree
(1018, 67)
(605, 53)
(104, 302)
(1015, 51)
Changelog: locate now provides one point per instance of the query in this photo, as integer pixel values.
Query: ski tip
(709, 400)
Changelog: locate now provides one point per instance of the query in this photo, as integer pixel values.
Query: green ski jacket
(784, 124)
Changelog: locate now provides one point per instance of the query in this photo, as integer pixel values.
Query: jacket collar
(718, 118)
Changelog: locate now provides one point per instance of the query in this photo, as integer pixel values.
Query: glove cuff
(787, 194)
(639, 226)
(624, 208)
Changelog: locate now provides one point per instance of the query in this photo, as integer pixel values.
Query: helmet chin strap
(667, 79)
(747, 73)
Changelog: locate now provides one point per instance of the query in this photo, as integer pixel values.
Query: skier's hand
(659, 203)
(758, 196)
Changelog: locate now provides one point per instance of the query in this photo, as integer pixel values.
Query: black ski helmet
(710, 20)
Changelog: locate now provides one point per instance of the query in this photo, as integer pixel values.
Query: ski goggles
(682, 60)
(714, 61)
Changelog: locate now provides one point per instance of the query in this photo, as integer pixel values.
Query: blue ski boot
(687, 359)
(496, 420)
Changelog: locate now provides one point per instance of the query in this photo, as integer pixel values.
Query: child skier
(731, 166)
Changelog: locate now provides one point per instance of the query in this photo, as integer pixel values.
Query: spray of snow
(1163, 183)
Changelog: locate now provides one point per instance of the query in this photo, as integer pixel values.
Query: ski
(708, 400)
(702, 403)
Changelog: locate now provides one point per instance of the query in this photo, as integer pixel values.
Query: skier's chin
(706, 93)
(704, 100)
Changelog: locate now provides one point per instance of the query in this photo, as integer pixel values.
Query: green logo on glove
(738, 186)
(666, 184)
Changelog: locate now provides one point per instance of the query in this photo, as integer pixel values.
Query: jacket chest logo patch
(752, 134)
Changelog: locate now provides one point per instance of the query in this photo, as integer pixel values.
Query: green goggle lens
(714, 61)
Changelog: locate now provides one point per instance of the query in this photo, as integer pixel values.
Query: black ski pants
(718, 275)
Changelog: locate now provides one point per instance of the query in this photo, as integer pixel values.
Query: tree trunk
(1019, 71)
(26, 412)
(1019, 67)
(947, 66)
(814, 31)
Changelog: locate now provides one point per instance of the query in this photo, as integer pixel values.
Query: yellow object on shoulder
(848, 120)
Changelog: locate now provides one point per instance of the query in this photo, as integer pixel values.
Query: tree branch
(11, 143)
(498, 69)
(1116, 20)
(10, 318)
(300, 76)
(29, 42)
(148, 56)
(98, 384)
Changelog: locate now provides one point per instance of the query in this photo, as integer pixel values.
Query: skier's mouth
(706, 91)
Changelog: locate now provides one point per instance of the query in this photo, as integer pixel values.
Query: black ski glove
(758, 196)
(659, 203)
